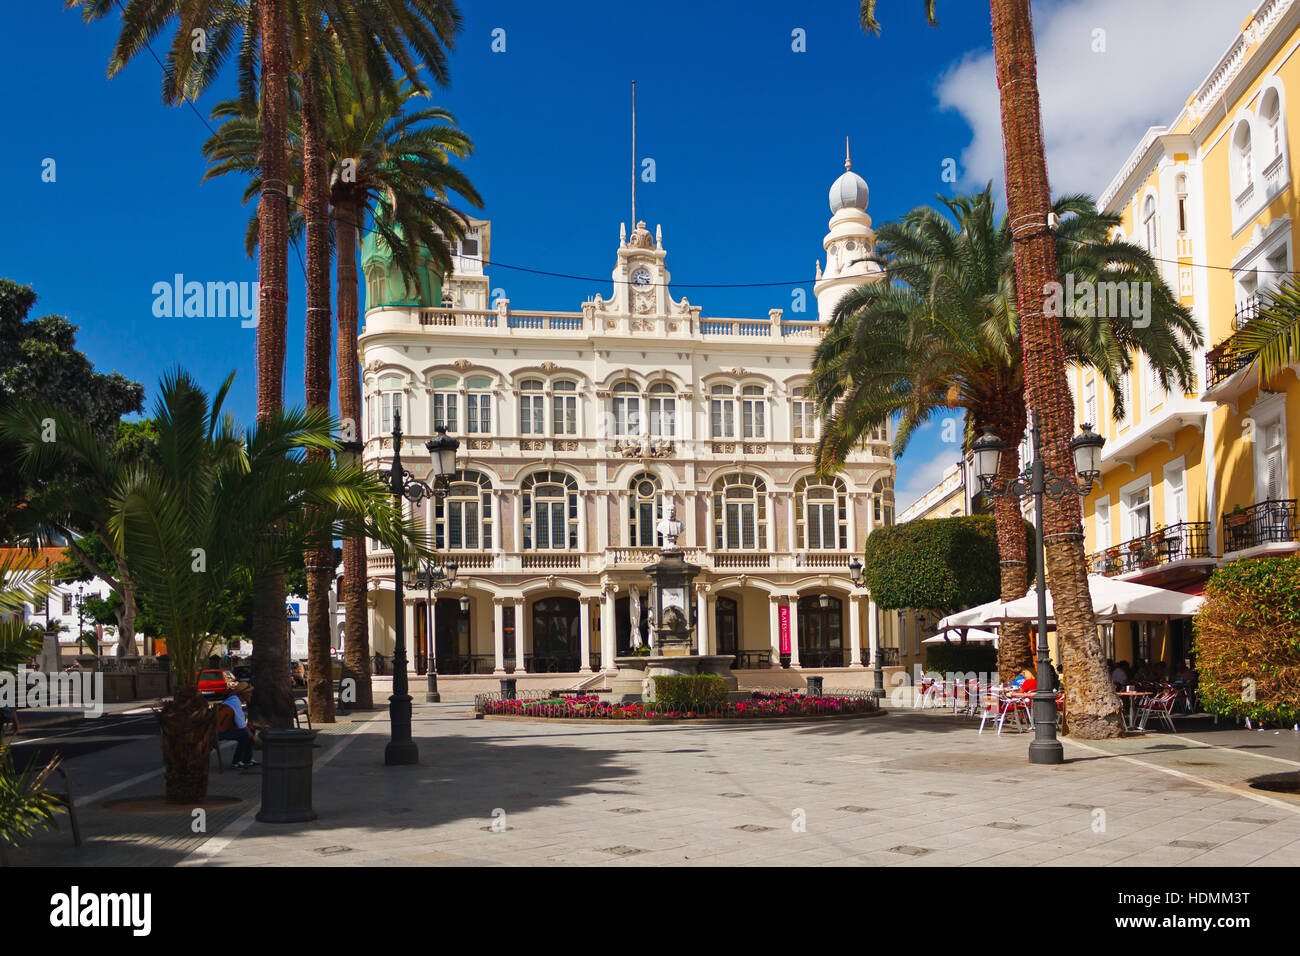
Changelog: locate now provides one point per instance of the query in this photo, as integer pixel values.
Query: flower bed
(759, 706)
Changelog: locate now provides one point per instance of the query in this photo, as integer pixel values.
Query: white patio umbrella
(972, 635)
(1111, 601)
(980, 614)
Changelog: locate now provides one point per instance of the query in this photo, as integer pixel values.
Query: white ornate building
(575, 430)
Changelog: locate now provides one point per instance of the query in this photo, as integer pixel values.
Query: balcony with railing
(1223, 361)
(380, 563)
(1187, 540)
(1264, 523)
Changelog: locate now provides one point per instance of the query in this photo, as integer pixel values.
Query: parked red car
(214, 683)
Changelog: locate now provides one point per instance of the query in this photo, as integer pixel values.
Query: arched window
(445, 402)
(821, 514)
(739, 513)
(645, 507)
(882, 493)
(1243, 164)
(663, 410)
(463, 520)
(803, 414)
(385, 403)
(564, 408)
(1149, 227)
(627, 409)
(722, 411)
(1180, 187)
(550, 512)
(532, 408)
(478, 405)
(753, 411)
(1270, 110)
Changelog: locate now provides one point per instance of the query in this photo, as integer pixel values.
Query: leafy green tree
(941, 330)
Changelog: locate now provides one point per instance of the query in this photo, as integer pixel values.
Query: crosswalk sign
(291, 612)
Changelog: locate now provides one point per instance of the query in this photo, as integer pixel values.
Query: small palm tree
(217, 501)
(1270, 342)
(941, 331)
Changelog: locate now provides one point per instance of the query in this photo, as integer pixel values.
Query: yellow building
(1192, 481)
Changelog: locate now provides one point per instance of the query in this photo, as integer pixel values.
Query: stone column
(691, 531)
(793, 601)
(583, 544)
(873, 636)
(851, 524)
(602, 521)
(607, 631)
(791, 528)
(499, 634)
(771, 522)
(584, 636)
(517, 515)
(855, 631)
(519, 635)
(774, 628)
(701, 622)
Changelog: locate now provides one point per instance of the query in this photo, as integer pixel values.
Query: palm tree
(940, 330)
(396, 163)
(216, 501)
(1092, 709)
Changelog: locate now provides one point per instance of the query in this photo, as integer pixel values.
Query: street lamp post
(434, 577)
(401, 749)
(859, 580)
(1037, 482)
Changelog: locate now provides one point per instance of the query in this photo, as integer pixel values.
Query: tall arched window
(1270, 110)
(445, 402)
(463, 520)
(564, 408)
(1243, 163)
(1149, 227)
(722, 411)
(821, 514)
(478, 405)
(739, 513)
(753, 411)
(1180, 188)
(532, 408)
(627, 409)
(663, 410)
(882, 494)
(803, 414)
(550, 512)
(386, 402)
(645, 506)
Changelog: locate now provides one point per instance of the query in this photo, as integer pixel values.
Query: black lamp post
(434, 577)
(859, 580)
(1037, 482)
(401, 748)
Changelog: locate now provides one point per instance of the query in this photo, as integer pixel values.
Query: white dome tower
(848, 244)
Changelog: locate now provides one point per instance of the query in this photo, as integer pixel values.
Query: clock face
(641, 277)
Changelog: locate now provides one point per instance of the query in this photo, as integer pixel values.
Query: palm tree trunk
(320, 559)
(1092, 710)
(356, 637)
(187, 725)
(271, 698)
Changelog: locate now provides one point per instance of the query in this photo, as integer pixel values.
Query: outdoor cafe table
(1133, 697)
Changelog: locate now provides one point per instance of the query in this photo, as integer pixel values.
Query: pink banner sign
(783, 616)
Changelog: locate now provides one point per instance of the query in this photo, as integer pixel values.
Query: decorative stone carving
(736, 372)
(641, 238)
(480, 444)
(724, 448)
(643, 301)
(374, 366)
(567, 444)
(755, 448)
(461, 364)
(642, 325)
(532, 444)
(548, 366)
(804, 449)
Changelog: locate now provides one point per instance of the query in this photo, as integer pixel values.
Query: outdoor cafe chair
(1161, 706)
(1000, 707)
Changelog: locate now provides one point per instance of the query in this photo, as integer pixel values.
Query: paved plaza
(906, 789)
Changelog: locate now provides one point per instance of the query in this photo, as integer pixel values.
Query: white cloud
(1096, 106)
(916, 477)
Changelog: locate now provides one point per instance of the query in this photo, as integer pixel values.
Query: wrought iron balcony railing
(1187, 539)
(1265, 522)
(1223, 361)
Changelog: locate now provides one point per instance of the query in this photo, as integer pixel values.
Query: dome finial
(848, 163)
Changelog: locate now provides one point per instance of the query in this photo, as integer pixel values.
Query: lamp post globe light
(401, 749)
(1037, 482)
(858, 578)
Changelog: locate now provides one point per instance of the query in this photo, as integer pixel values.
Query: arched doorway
(726, 623)
(821, 631)
(556, 640)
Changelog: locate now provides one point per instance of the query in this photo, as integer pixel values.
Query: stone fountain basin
(631, 684)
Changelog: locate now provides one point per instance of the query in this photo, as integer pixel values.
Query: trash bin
(507, 688)
(286, 776)
(814, 685)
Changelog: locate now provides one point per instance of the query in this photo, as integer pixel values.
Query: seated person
(1119, 676)
(1026, 682)
(232, 724)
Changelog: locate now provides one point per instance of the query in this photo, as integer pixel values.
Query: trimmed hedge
(699, 692)
(940, 563)
(957, 658)
(1247, 640)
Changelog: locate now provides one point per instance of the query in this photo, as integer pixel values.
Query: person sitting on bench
(232, 724)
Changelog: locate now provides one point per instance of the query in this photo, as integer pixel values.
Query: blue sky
(746, 134)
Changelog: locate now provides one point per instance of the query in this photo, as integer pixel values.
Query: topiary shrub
(957, 658)
(695, 693)
(1247, 640)
(940, 563)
